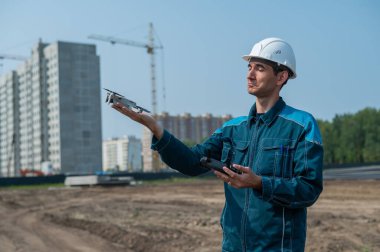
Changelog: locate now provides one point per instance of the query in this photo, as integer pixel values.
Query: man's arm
(172, 151)
(184, 159)
(306, 185)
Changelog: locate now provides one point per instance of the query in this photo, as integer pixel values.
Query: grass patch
(366, 249)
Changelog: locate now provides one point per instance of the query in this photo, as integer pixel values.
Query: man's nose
(250, 74)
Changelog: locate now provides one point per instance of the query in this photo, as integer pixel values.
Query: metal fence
(144, 176)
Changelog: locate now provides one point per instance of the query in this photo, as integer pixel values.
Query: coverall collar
(270, 115)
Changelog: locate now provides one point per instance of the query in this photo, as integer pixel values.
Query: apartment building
(122, 154)
(50, 111)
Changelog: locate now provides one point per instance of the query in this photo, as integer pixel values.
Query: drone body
(113, 97)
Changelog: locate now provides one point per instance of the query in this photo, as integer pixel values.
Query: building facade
(9, 125)
(122, 154)
(53, 102)
(187, 128)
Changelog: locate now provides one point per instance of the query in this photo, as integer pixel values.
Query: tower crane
(150, 47)
(12, 57)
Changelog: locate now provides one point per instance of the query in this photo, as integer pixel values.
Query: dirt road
(172, 216)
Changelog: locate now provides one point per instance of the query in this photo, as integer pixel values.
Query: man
(277, 148)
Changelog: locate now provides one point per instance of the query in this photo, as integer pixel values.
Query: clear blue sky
(335, 42)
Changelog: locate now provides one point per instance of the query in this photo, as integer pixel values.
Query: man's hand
(247, 179)
(142, 118)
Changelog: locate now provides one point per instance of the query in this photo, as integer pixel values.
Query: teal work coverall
(284, 147)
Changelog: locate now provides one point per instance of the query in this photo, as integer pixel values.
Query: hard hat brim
(246, 57)
(249, 57)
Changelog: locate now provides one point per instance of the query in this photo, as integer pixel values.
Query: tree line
(352, 138)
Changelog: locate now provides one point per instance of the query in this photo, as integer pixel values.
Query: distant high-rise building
(151, 159)
(50, 111)
(187, 128)
(122, 154)
(9, 125)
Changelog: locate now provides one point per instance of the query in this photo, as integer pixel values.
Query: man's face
(262, 82)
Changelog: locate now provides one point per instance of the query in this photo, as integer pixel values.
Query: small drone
(113, 97)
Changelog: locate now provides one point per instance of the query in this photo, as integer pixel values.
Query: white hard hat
(275, 50)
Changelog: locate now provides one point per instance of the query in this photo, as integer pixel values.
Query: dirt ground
(170, 216)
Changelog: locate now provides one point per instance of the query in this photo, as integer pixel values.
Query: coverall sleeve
(184, 159)
(304, 188)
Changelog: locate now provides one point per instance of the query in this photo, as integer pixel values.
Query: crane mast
(152, 69)
(150, 47)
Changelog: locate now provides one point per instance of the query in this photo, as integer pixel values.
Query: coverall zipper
(248, 191)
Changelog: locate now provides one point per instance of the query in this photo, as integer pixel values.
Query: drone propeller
(141, 109)
(113, 92)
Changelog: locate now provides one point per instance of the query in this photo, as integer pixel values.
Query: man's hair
(279, 68)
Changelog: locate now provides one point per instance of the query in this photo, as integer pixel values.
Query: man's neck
(264, 104)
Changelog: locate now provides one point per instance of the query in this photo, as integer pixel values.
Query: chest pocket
(234, 153)
(275, 157)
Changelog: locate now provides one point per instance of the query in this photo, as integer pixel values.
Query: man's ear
(282, 77)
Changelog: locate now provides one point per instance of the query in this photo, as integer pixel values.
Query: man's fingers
(125, 110)
(232, 174)
(142, 118)
(117, 105)
(241, 168)
(222, 176)
(118, 109)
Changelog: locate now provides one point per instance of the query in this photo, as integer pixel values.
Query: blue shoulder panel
(233, 122)
(304, 119)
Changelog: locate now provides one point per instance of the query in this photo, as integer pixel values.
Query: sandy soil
(172, 216)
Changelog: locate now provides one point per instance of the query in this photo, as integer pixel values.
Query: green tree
(352, 138)
(328, 141)
(371, 126)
